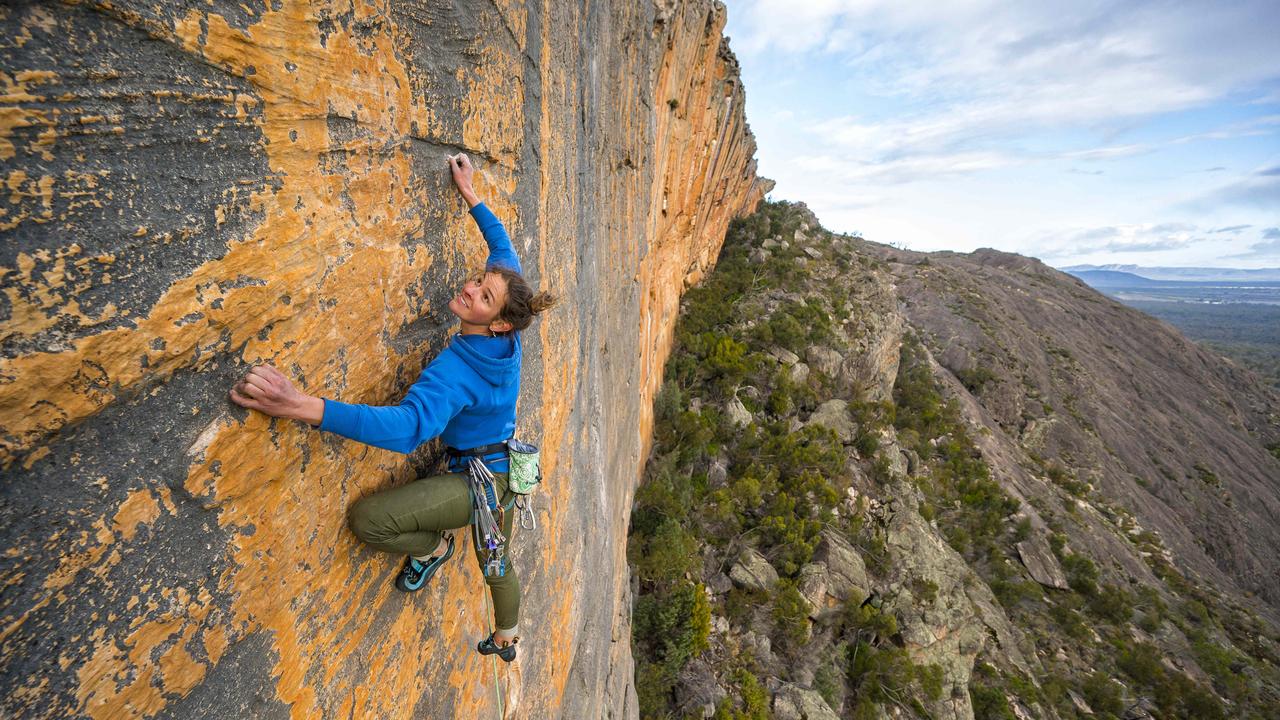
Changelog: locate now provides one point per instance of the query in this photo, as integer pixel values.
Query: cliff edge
(197, 187)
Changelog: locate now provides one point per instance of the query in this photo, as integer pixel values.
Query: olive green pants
(411, 519)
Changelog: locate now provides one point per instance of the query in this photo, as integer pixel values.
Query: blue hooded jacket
(466, 395)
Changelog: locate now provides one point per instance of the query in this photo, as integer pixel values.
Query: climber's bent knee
(370, 525)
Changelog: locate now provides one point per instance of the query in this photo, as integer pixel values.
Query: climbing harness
(524, 472)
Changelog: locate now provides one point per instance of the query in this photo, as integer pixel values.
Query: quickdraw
(488, 530)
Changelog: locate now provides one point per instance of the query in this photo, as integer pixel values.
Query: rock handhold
(834, 414)
(847, 574)
(753, 572)
(793, 702)
(1037, 556)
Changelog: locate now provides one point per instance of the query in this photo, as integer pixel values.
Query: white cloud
(993, 118)
(1149, 238)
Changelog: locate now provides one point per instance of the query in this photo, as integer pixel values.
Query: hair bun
(541, 302)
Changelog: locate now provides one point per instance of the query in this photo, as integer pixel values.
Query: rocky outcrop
(197, 187)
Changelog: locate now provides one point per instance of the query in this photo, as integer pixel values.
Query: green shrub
(755, 699)
(974, 379)
(790, 614)
(1112, 604)
(828, 680)
(1102, 693)
(668, 630)
(665, 555)
(1082, 574)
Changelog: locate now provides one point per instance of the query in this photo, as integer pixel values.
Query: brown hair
(522, 302)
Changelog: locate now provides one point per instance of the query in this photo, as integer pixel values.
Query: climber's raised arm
(501, 251)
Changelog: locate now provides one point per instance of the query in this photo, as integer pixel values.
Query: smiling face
(479, 303)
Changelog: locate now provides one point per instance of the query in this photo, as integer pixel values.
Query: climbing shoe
(489, 646)
(416, 573)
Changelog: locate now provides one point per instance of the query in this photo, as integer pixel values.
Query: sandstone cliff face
(197, 187)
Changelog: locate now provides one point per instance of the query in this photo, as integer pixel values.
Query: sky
(1142, 133)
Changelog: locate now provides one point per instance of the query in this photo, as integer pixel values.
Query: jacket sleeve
(501, 251)
(424, 412)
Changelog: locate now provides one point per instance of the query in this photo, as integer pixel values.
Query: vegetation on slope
(715, 485)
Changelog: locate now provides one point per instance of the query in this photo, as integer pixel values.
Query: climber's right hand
(267, 390)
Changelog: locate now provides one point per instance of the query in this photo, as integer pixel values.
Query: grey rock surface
(753, 572)
(792, 702)
(1039, 560)
(737, 412)
(824, 360)
(847, 573)
(834, 415)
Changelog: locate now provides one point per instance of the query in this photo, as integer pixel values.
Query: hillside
(890, 484)
(197, 187)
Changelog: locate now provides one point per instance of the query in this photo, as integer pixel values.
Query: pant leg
(504, 589)
(408, 520)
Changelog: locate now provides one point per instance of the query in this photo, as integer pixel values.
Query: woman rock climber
(467, 397)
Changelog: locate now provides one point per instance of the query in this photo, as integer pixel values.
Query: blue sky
(1090, 132)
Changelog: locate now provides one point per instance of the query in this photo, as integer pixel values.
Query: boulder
(759, 256)
(1082, 707)
(799, 373)
(719, 583)
(793, 702)
(824, 360)
(784, 356)
(759, 645)
(847, 574)
(813, 584)
(770, 244)
(1040, 561)
(738, 412)
(753, 572)
(718, 471)
(813, 253)
(834, 414)
(697, 688)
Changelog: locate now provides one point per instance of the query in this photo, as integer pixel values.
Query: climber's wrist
(469, 195)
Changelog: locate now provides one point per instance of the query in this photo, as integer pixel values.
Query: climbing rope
(497, 688)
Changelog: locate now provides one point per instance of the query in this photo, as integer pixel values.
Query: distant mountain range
(1112, 279)
(1184, 274)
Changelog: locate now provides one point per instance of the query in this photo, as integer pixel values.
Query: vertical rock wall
(191, 188)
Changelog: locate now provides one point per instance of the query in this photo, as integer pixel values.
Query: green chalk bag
(524, 473)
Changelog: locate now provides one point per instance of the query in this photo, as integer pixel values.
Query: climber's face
(480, 301)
